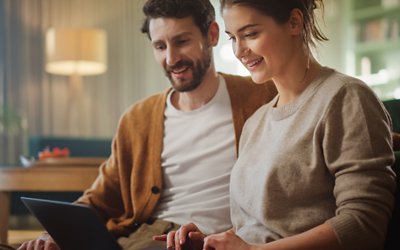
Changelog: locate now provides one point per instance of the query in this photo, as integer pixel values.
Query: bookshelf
(376, 45)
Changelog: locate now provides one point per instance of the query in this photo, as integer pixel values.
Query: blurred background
(69, 69)
(364, 42)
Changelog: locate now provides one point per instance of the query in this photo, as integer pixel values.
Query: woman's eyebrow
(243, 28)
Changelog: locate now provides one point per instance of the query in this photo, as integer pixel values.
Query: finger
(39, 245)
(171, 240)
(23, 246)
(192, 228)
(177, 240)
(30, 245)
(208, 243)
(50, 245)
(183, 231)
(210, 248)
(196, 236)
(160, 237)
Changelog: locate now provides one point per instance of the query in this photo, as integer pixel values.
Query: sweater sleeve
(123, 191)
(356, 142)
(105, 194)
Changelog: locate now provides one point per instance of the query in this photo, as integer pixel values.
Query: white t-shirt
(197, 158)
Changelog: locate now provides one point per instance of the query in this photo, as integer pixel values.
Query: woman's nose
(240, 50)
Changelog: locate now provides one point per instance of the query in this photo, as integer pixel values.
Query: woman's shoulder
(340, 85)
(345, 94)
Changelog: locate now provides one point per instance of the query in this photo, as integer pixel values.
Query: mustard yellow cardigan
(129, 183)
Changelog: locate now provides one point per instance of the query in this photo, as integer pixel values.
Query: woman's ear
(213, 34)
(296, 22)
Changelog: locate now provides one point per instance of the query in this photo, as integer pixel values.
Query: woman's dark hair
(280, 11)
(201, 11)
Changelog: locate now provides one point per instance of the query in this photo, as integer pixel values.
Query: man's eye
(182, 41)
(159, 47)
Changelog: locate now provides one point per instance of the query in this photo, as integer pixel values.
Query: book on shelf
(378, 30)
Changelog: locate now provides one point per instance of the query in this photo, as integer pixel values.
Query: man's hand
(43, 242)
(187, 236)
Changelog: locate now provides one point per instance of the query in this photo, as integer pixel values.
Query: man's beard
(199, 69)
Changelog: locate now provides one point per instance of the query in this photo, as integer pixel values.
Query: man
(173, 152)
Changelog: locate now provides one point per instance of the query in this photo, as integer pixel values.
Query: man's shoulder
(142, 111)
(237, 80)
(149, 103)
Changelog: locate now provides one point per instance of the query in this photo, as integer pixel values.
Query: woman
(314, 164)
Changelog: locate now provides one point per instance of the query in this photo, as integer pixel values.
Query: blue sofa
(393, 239)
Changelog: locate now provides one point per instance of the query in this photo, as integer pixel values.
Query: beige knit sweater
(324, 158)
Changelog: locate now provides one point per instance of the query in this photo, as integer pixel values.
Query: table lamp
(75, 52)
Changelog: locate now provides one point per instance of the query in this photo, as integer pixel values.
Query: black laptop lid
(72, 226)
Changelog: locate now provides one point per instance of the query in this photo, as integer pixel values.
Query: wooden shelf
(376, 37)
(373, 12)
(379, 46)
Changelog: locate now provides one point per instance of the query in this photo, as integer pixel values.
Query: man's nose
(172, 57)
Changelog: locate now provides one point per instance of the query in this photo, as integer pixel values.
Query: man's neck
(191, 100)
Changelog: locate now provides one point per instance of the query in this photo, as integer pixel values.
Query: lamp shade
(71, 51)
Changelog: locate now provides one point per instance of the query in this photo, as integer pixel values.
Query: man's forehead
(171, 27)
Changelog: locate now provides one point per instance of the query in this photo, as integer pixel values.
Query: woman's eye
(232, 38)
(251, 34)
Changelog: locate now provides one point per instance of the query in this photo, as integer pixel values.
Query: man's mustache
(179, 65)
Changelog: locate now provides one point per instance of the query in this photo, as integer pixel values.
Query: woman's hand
(187, 236)
(225, 241)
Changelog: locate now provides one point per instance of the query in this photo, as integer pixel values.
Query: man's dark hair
(201, 11)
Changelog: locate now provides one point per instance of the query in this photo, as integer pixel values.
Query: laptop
(73, 226)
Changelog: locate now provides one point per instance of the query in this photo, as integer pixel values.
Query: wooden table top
(54, 178)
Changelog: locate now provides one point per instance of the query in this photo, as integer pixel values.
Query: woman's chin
(258, 79)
